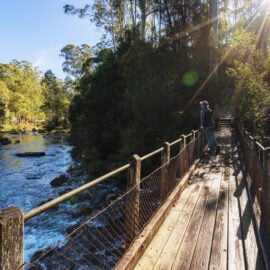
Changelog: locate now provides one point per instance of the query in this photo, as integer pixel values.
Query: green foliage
(242, 47)
(21, 94)
(152, 96)
(251, 98)
(75, 58)
(159, 61)
(96, 114)
(27, 100)
(56, 101)
(128, 105)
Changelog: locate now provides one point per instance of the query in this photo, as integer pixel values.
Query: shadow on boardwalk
(212, 225)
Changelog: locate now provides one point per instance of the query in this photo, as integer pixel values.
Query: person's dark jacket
(206, 118)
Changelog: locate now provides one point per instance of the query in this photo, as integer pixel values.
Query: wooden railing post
(193, 134)
(165, 160)
(252, 160)
(197, 148)
(202, 140)
(184, 153)
(133, 203)
(184, 141)
(11, 238)
(266, 191)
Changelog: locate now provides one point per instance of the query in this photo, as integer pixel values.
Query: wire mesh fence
(97, 243)
(254, 162)
(101, 240)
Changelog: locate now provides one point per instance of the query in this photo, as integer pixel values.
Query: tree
(4, 100)
(22, 94)
(56, 101)
(248, 71)
(107, 14)
(4, 94)
(75, 59)
(116, 16)
(130, 101)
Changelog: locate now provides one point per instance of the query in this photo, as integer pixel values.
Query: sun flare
(265, 4)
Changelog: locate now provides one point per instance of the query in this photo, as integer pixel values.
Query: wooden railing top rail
(177, 141)
(152, 154)
(36, 211)
(253, 139)
(50, 204)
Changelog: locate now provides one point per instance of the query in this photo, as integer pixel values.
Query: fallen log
(31, 154)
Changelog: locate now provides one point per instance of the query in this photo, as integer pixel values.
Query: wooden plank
(201, 255)
(220, 235)
(236, 259)
(155, 248)
(219, 251)
(263, 241)
(153, 252)
(169, 251)
(254, 259)
(185, 251)
(130, 258)
(261, 234)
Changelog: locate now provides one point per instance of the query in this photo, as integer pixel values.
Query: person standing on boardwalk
(207, 124)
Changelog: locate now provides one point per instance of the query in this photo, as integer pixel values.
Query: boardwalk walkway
(210, 225)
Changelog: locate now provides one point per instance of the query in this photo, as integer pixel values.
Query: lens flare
(190, 78)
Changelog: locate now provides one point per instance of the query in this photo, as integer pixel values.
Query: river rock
(48, 251)
(59, 181)
(111, 197)
(31, 154)
(85, 196)
(83, 209)
(64, 191)
(76, 171)
(5, 140)
(14, 132)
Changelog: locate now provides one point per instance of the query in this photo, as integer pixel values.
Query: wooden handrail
(36, 211)
(50, 204)
(151, 154)
(177, 141)
(133, 168)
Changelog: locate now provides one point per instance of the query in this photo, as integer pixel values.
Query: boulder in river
(31, 154)
(83, 209)
(5, 140)
(59, 181)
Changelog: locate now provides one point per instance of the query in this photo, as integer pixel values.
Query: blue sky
(37, 30)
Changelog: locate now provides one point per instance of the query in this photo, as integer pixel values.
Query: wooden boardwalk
(212, 224)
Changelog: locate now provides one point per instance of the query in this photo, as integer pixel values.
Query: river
(25, 183)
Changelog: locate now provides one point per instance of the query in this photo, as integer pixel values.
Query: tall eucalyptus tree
(214, 47)
(108, 14)
(75, 60)
(56, 101)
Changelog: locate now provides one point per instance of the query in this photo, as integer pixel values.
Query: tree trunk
(213, 48)
(133, 13)
(142, 5)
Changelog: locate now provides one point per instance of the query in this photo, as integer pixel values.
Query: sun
(265, 4)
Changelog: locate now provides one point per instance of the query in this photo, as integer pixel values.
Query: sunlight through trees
(156, 58)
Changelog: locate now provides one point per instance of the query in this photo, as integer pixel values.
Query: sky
(37, 30)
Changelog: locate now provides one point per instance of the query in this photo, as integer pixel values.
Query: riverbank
(26, 182)
(29, 182)
(6, 136)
